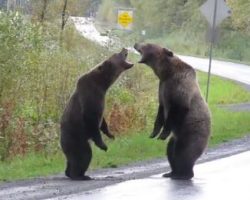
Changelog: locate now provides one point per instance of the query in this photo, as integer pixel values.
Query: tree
(106, 12)
(44, 8)
(161, 15)
(240, 14)
(64, 16)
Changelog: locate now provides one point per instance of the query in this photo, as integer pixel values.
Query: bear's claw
(111, 136)
(153, 135)
(102, 146)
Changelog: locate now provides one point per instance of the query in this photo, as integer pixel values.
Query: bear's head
(111, 68)
(154, 56)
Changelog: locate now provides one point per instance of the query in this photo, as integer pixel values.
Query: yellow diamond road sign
(125, 19)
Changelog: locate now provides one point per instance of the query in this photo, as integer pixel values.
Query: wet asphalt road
(226, 178)
(140, 176)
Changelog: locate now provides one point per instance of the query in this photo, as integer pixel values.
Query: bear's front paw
(111, 136)
(152, 135)
(164, 134)
(162, 137)
(102, 146)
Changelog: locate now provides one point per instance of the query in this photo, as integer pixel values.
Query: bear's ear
(102, 66)
(106, 63)
(168, 52)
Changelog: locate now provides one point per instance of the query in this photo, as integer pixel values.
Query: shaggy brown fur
(182, 109)
(83, 116)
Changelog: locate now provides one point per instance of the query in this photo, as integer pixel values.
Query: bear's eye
(100, 68)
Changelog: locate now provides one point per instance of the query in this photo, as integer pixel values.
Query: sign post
(215, 12)
(211, 49)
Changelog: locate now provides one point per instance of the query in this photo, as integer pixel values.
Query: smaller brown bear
(83, 116)
(182, 109)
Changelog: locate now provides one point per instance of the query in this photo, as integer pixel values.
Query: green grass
(136, 146)
(228, 125)
(223, 91)
(127, 149)
(31, 165)
(123, 150)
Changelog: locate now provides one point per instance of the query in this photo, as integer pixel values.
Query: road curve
(234, 71)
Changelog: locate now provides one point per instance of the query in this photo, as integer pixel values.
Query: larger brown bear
(83, 116)
(182, 109)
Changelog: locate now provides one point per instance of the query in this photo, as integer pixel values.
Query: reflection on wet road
(226, 178)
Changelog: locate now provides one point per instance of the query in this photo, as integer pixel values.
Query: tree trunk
(45, 4)
(64, 17)
(64, 20)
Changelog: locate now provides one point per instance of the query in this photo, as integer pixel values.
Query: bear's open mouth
(138, 48)
(142, 60)
(128, 64)
(124, 53)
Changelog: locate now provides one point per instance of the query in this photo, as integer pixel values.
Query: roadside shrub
(6, 114)
(37, 76)
(124, 118)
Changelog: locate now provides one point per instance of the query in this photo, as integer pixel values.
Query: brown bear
(83, 116)
(182, 109)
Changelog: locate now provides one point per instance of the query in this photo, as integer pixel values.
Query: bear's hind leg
(170, 155)
(183, 171)
(78, 162)
(87, 156)
(183, 161)
(67, 171)
(74, 171)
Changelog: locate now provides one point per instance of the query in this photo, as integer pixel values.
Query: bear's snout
(137, 46)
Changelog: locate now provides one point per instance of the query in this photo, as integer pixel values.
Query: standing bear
(83, 116)
(182, 110)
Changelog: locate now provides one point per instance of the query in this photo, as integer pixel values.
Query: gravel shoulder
(242, 107)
